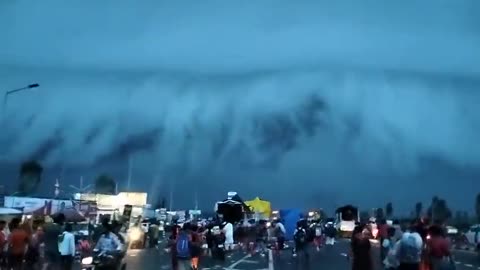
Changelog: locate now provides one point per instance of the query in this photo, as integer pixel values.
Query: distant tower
(57, 189)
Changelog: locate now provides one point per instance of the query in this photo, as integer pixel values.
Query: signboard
(87, 208)
(195, 212)
(30, 204)
(127, 211)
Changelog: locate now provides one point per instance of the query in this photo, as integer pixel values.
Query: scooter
(103, 260)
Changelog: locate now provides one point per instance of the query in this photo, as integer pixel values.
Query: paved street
(330, 258)
(154, 259)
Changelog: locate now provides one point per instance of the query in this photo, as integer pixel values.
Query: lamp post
(13, 91)
(5, 100)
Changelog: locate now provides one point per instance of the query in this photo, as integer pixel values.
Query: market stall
(232, 209)
(261, 208)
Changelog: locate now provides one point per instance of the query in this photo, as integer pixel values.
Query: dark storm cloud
(248, 95)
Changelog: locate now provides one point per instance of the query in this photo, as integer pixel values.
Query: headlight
(135, 235)
(87, 260)
(428, 237)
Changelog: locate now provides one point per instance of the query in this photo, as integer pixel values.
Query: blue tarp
(290, 218)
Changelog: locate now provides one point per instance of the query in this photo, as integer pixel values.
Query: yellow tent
(260, 206)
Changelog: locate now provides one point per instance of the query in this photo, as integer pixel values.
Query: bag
(409, 252)
(390, 260)
(183, 246)
(300, 237)
(318, 231)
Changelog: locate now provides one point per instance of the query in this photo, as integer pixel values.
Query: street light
(5, 99)
(10, 92)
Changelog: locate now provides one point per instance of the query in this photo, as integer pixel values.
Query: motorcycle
(103, 261)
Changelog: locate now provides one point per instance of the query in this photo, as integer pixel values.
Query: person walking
(66, 247)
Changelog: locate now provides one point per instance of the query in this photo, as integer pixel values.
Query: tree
(30, 177)
(389, 210)
(418, 209)
(477, 207)
(105, 184)
(379, 214)
(439, 211)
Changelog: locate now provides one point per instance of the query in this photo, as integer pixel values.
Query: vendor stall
(261, 208)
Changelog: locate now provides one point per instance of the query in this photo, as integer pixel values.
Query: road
(331, 258)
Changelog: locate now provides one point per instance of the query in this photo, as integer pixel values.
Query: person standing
(52, 229)
(228, 231)
(66, 247)
(17, 245)
(409, 250)
(3, 244)
(438, 250)
(183, 248)
(361, 250)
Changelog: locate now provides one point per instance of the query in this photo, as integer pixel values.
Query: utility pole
(196, 200)
(170, 201)
(129, 177)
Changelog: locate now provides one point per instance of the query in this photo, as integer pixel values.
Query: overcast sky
(305, 103)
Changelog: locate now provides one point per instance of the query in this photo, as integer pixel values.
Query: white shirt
(228, 233)
(67, 246)
(281, 227)
(418, 243)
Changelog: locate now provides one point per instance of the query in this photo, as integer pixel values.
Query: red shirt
(383, 230)
(439, 247)
(3, 241)
(18, 241)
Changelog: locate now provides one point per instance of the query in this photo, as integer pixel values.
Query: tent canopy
(71, 215)
(260, 206)
(10, 211)
(232, 208)
(290, 218)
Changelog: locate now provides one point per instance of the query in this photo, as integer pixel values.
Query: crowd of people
(416, 247)
(26, 245)
(51, 243)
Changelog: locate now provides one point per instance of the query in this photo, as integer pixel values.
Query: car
(472, 235)
(451, 230)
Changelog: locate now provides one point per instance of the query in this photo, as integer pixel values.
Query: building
(113, 205)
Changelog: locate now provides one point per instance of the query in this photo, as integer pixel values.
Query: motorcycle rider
(109, 243)
(279, 232)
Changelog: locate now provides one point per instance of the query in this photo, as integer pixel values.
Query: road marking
(464, 251)
(270, 260)
(468, 265)
(232, 266)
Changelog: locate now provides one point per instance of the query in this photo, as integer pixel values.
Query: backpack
(300, 236)
(409, 252)
(183, 246)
